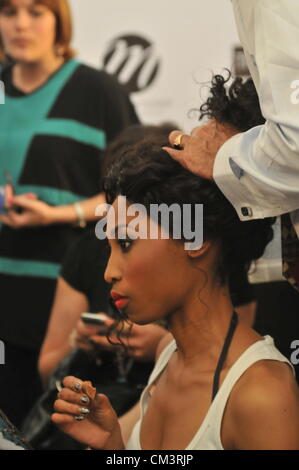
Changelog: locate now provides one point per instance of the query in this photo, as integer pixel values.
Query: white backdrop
(189, 39)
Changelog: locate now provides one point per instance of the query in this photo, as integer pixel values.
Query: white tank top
(208, 436)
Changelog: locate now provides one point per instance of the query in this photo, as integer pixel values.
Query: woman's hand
(141, 340)
(35, 212)
(83, 335)
(90, 421)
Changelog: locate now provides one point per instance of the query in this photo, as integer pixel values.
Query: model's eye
(125, 244)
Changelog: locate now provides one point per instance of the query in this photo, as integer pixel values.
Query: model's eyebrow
(114, 232)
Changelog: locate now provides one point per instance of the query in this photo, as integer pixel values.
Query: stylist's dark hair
(237, 105)
(145, 174)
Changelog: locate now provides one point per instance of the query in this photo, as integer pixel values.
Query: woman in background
(58, 117)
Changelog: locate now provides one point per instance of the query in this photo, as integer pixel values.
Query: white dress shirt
(258, 171)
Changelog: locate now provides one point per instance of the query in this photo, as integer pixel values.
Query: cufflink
(246, 211)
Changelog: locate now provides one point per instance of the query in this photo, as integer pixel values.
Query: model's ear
(196, 253)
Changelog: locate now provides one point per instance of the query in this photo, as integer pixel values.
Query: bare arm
(36, 212)
(68, 305)
(266, 410)
(67, 214)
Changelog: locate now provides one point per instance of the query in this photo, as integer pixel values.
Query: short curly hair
(145, 174)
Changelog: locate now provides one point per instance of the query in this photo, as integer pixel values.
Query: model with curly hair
(216, 384)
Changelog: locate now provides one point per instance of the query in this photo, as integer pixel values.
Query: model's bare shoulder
(264, 408)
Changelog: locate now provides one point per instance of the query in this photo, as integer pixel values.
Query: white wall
(191, 39)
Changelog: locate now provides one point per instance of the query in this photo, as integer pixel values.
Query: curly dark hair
(145, 174)
(237, 106)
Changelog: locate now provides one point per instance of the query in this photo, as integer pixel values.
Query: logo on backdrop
(133, 60)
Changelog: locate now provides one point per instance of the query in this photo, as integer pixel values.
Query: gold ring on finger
(178, 141)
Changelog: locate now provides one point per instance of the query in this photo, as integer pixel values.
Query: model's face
(153, 273)
(28, 31)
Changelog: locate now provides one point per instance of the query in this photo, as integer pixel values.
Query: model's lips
(121, 303)
(115, 295)
(119, 300)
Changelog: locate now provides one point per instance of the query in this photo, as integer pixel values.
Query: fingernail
(79, 418)
(84, 399)
(77, 386)
(84, 411)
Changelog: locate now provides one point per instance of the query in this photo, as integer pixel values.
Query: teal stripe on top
(29, 268)
(53, 196)
(21, 119)
(73, 129)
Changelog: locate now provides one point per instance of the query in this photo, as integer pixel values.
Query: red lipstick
(119, 300)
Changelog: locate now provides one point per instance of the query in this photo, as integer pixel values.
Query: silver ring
(79, 418)
(78, 387)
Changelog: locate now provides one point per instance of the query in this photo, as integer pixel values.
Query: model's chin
(138, 317)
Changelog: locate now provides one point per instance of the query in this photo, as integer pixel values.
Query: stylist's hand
(141, 340)
(35, 212)
(90, 421)
(198, 151)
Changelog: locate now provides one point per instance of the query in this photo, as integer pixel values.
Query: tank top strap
(162, 361)
(223, 354)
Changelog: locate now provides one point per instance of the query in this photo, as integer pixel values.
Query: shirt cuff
(228, 176)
